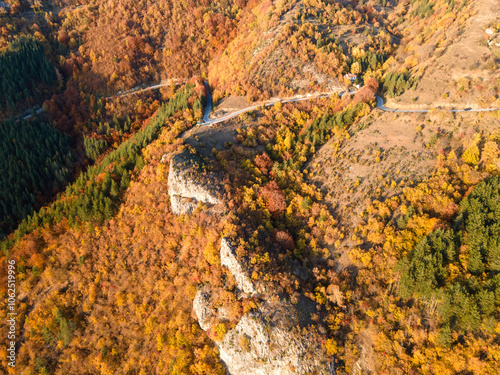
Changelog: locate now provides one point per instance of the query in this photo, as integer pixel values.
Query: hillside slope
(321, 235)
(455, 65)
(296, 46)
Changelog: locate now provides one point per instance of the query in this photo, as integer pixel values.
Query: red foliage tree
(372, 83)
(274, 198)
(264, 163)
(284, 240)
(364, 95)
(63, 37)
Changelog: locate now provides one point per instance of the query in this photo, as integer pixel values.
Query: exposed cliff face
(228, 259)
(189, 184)
(201, 307)
(269, 340)
(180, 205)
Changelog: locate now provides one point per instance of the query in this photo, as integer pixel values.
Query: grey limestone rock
(273, 339)
(189, 184)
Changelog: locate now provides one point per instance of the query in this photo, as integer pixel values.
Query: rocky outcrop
(228, 259)
(189, 184)
(201, 308)
(270, 340)
(267, 341)
(181, 205)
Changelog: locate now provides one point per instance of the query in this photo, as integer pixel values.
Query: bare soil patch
(467, 58)
(205, 138)
(228, 105)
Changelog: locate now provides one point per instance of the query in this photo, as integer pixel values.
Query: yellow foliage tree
(211, 254)
(471, 155)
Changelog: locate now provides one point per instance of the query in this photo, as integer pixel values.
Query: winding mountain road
(36, 112)
(208, 106)
(208, 121)
(380, 104)
(208, 109)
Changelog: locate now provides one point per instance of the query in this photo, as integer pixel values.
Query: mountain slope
(451, 57)
(296, 46)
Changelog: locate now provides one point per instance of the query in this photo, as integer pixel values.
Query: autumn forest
(346, 219)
